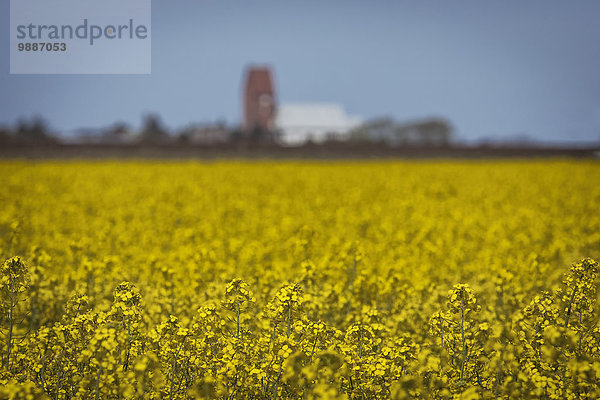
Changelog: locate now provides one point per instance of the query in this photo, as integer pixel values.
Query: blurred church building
(294, 123)
(259, 100)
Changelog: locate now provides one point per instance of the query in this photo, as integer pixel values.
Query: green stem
(98, 382)
(289, 321)
(173, 368)
(10, 324)
(442, 350)
(313, 348)
(580, 330)
(462, 332)
(278, 379)
(360, 347)
(238, 319)
(569, 307)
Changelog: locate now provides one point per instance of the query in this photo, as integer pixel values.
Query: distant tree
(278, 135)
(118, 129)
(375, 130)
(116, 133)
(435, 131)
(259, 135)
(35, 131)
(5, 136)
(332, 137)
(358, 134)
(184, 135)
(152, 129)
(429, 132)
(236, 135)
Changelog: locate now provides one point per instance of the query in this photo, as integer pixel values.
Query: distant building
(210, 134)
(259, 101)
(119, 133)
(317, 122)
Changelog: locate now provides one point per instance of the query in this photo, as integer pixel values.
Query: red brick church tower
(259, 100)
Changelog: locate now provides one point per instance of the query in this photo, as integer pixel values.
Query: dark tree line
(34, 131)
(427, 132)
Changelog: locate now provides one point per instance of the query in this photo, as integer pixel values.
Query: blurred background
(390, 73)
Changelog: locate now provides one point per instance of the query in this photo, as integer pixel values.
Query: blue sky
(494, 69)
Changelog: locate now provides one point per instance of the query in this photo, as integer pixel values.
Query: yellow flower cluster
(289, 280)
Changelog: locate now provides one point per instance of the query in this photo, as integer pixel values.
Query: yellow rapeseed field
(300, 280)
